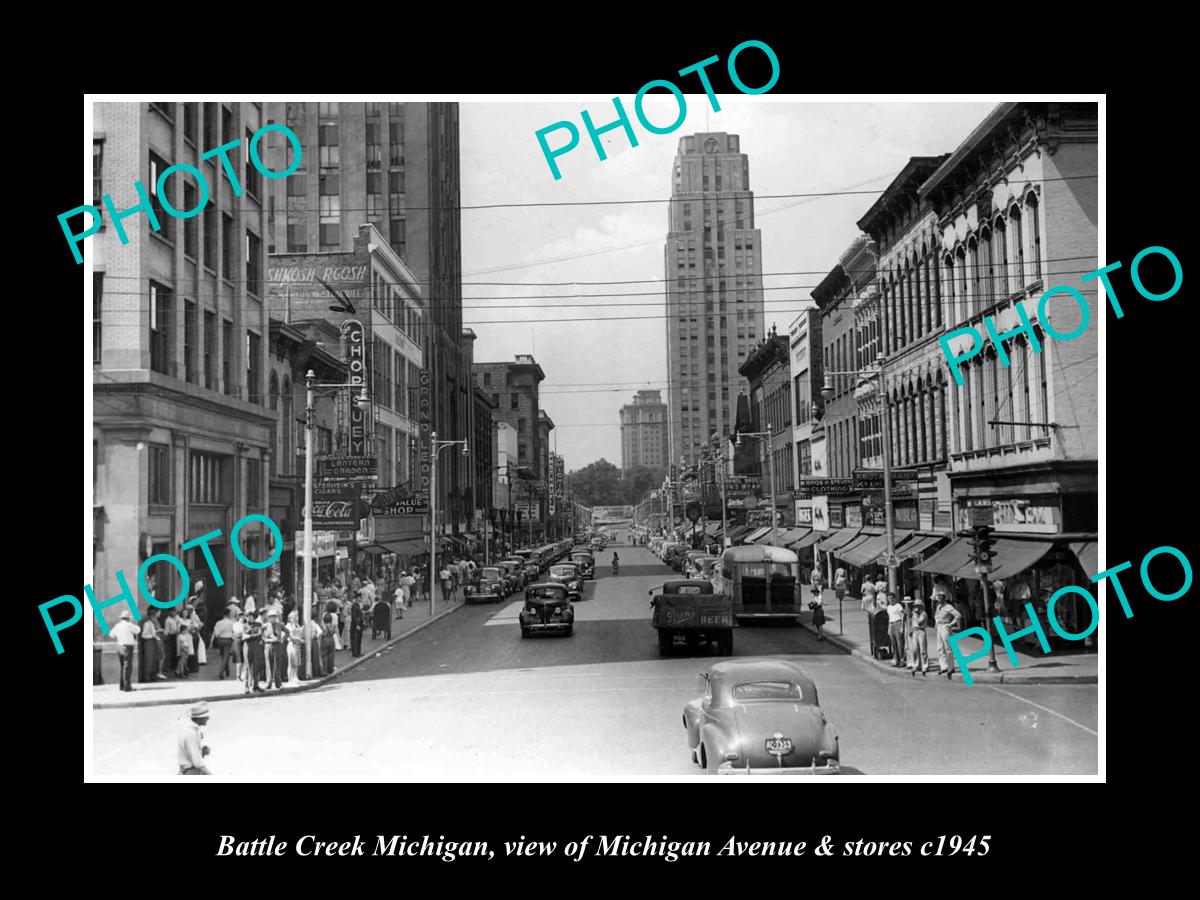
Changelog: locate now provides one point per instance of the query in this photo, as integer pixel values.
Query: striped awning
(755, 536)
(863, 553)
(809, 539)
(917, 544)
(838, 539)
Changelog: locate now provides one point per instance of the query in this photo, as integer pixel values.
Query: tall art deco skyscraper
(713, 276)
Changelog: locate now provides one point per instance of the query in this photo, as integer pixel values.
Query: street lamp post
(310, 415)
(770, 468)
(436, 447)
(889, 515)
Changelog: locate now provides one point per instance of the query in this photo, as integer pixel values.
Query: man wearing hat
(919, 658)
(127, 635)
(191, 745)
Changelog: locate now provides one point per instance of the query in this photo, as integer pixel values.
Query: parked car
(570, 575)
(547, 610)
(760, 717)
(515, 567)
(690, 610)
(489, 587)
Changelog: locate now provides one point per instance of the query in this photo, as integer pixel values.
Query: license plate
(779, 746)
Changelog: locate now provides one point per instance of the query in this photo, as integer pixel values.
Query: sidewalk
(1056, 667)
(205, 685)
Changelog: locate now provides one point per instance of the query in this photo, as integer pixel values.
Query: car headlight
(573, 585)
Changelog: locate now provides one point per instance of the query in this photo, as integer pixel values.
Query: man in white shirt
(127, 635)
(191, 748)
(895, 611)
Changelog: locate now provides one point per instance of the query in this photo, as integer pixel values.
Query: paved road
(468, 698)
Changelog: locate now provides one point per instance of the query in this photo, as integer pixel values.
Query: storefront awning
(1014, 557)
(408, 546)
(757, 535)
(918, 544)
(738, 531)
(838, 539)
(863, 553)
(808, 540)
(788, 535)
(374, 549)
(950, 559)
(1085, 552)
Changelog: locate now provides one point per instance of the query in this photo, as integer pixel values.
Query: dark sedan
(570, 575)
(760, 717)
(488, 589)
(547, 609)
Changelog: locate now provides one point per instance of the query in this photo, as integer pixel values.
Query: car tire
(664, 642)
(524, 632)
(570, 630)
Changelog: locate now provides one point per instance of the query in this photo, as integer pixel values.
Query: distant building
(644, 431)
(713, 268)
(807, 374)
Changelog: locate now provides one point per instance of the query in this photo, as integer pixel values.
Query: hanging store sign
(356, 361)
(348, 468)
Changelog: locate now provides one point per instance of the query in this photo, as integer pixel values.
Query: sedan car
(547, 609)
(489, 588)
(760, 717)
(586, 563)
(570, 575)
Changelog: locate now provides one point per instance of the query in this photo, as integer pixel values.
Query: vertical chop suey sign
(423, 414)
(356, 360)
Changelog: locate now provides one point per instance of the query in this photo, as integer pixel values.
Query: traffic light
(984, 542)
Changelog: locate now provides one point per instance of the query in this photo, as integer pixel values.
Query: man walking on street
(356, 628)
(127, 635)
(190, 743)
(222, 640)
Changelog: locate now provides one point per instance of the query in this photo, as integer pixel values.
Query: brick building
(514, 388)
(181, 431)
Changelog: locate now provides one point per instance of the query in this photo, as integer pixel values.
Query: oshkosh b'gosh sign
(356, 360)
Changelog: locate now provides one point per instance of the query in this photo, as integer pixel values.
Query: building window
(160, 327)
(254, 484)
(210, 343)
(253, 264)
(330, 213)
(329, 150)
(97, 173)
(228, 248)
(210, 125)
(1035, 237)
(381, 381)
(327, 110)
(227, 357)
(206, 482)
(1018, 249)
(513, 401)
(1000, 257)
(160, 474)
(210, 236)
(191, 228)
(190, 327)
(253, 176)
(227, 134)
(191, 123)
(397, 235)
(167, 223)
(399, 372)
(97, 311)
(253, 385)
(396, 142)
(374, 151)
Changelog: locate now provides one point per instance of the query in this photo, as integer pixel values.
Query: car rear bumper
(833, 767)
(547, 626)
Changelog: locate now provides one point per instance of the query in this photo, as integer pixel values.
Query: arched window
(1000, 257)
(1035, 236)
(961, 291)
(1017, 248)
(949, 298)
(976, 287)
(987, 272)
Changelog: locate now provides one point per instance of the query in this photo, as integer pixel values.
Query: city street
(467, 698)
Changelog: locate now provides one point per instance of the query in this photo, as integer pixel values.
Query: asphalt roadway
(466, 697)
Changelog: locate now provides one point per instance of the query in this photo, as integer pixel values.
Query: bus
(764, 582)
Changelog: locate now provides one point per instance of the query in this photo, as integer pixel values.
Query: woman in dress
(295, 648)
(148, 643)
(817, 605)
(839, 585)
(239, 652)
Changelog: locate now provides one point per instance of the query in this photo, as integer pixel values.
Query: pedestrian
(839, 585)
(817, 581)
(948, 619)
(895, 611)
(314, 633)
(184, 651)
(817, 605)
(249, 605)
(867, 601)
(327, 643)
(399, 598)
(170, 630)
(881, 587)
(382, 621)
(273, 650)
(149, 643)
(195, 624)
(339, 623)
(190, 743)
(919, 657)
(356, 628)
(222, 641)
(127, 635)
(239, 646)
(444, 577)
(252, 641)
(295, 648)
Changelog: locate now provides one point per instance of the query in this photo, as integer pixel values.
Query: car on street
(760, 716)
(570, 575)
(585, 561)
(690, 610)
(488, 588)
(547, 610)
(514, 567)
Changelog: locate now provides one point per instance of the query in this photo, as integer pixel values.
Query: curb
(976, 678)
(305, 686)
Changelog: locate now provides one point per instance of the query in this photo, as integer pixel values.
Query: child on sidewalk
(184, 649)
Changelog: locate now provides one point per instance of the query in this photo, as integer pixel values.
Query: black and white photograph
(701, 433)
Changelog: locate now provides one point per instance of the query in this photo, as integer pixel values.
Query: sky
(594, 365)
